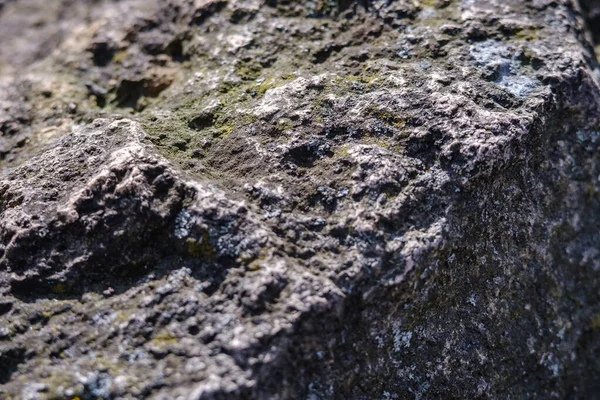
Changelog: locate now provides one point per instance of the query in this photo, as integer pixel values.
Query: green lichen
(595, 323)
(284, 125)
(445, 12)
(248, 70)
(57, 383)
(343, 151)
(528, 34)
(164, 339)
(61, 288)
(120, 56)
(270, 82)
(200, 248)
(387, 116)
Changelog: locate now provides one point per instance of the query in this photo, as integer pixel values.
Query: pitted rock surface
(244, 199)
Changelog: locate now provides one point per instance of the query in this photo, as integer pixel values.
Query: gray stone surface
(217, 199)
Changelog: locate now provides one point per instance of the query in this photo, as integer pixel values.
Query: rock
(245, 199)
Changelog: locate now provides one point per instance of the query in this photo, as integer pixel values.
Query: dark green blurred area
(591, 10)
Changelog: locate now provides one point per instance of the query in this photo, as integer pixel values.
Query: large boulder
(250, 199)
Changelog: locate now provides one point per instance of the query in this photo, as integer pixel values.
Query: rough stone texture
(238, 199)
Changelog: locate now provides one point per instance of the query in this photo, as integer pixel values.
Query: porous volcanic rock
(269, 199)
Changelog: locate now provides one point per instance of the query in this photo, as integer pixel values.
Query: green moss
(264, 86)
(223, 130)
(254, 266)
(200, 248)
(368, 79)
(318, 104)
(180, 140)
(445, 11)
(121, 317)
(248, 119)
(387, 116)
(342, 151)
(253, 263)
(248, 70)
(326, 7)
(528, 35)
(270, 83)
(429, 3)
(595, 324)
(164, 339)
(61, 288)
(57, 382)
(284, 125)
(120, 56)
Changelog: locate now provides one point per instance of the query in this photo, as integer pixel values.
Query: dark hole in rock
(324, 8)
(206, 11)
(102, 53)
(129, 93)
(38, 287)
(175, 50)
(306, 154)
(194, 330)
(202, 121)
(322, 55)
(10, 128)
(346, 4)
(591, 13)
(5, 306)
(98, 92)
(9, 361)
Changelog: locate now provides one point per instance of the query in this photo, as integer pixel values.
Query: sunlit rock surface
(251, 199)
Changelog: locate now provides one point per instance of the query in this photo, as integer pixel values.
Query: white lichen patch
(502, 62)
(285, 97)
(401, 338)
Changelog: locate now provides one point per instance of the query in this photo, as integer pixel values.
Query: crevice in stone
(9, 360)
(591, 14)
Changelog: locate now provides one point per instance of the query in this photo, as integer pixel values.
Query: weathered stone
(285, 199)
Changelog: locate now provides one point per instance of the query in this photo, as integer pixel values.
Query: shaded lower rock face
(299, 200)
